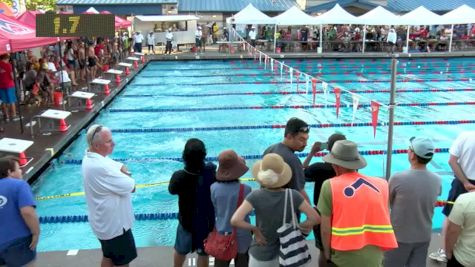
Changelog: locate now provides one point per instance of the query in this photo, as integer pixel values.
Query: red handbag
(223, 247)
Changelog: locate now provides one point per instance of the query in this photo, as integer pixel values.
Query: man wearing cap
(198, 34)
(138, 39)
(356, 227)
(295, 139)
(169, 39)
(318, 173)
(412, 196)
(108, 186)
(462, 156)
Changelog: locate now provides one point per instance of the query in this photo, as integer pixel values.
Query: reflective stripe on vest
(360, 213)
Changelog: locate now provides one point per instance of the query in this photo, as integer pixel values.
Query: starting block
(117, 74)
(127, 67)
(83, 97)
(105, 83)
(56, 119)
(141, 55)
(135, 60)
(16, 147)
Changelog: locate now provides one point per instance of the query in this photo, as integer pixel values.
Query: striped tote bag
(293, 248)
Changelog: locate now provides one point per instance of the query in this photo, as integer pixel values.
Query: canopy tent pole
(364, 39)
(275, 39)
(407, 38)
(451, 36)
(17, 89)
(321, 37)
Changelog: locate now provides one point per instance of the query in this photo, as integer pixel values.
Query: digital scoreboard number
(74, 25)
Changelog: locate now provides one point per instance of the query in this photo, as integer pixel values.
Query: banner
(374, 115)
(337, 92)
(314, 89)
(356, 102)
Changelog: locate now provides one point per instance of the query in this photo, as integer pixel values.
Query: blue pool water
(167, 92)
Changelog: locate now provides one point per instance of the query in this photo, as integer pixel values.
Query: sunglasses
(304, 129)
(97, 130)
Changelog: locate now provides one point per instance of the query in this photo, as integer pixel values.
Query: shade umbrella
(119, 22)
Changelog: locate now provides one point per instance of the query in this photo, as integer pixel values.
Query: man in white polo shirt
(108, 187)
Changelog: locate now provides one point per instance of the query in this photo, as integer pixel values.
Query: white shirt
(64, 78)
(138, 38)
(198, 34)
(392, 37)
(464, 149)
(151, 39)
(108, 196)
(169, 36)
(252, 35)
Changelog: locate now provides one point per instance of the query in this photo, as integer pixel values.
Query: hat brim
(284, 177)
(233, 173)
(352, 165)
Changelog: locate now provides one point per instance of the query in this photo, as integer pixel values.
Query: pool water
(226, 104)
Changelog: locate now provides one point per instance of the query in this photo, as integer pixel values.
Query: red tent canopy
(120, 23)
(16, 36)
(6, 10)
(29, 18)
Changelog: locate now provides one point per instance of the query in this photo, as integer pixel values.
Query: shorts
(317, 232)
(184, 242)
(8, 95)
(72, 63)
(121, 249)
(18, 253)
(455, 191)
(198, 42)
(92, 62)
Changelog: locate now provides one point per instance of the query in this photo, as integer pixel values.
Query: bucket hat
(231, 166)
(345, 154)
(272, 171)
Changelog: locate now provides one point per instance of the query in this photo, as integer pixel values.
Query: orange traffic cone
(89, 104)
(127, 71)
(143, 59)
(136, 65)
(117, 79)
(63, 126)
(22, 159)
(107, 90)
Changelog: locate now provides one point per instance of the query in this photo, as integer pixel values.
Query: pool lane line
(137, 186)
(403, 80)
(316, 106)
(366, 91)
(315, 74)
(249, 157)
(281, 126)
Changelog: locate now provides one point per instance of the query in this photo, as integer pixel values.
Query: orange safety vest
(360, 213)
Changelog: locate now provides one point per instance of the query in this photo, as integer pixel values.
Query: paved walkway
(158, 257)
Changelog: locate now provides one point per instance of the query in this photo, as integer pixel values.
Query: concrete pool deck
(161, 257)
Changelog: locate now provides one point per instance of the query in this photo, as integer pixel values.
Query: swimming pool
(239, 105)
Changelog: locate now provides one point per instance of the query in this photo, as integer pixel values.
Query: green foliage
(36, 4)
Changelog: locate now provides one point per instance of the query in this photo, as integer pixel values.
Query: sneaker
(439, 255)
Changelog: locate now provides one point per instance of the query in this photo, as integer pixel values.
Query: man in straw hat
(295, 139)
(356, 228)
(268, 202)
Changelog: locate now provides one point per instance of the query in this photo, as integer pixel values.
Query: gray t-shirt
(269, 208)
(412, 196)
(297, 181)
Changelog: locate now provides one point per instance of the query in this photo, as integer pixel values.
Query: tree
(37, 4)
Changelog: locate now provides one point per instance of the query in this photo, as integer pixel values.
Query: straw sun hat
(272, 171)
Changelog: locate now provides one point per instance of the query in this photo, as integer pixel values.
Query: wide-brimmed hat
(231, 166)
(272, 171)
(345, 154)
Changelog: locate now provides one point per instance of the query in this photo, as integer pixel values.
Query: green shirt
(369, 256)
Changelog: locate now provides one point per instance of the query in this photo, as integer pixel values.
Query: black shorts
(317, 232)
(121, 249)
(455, 191)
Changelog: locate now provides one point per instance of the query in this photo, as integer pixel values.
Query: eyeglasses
(97, 130)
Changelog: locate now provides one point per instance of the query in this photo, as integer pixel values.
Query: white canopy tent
(92, 10)
(378, 16)
(294, 16)
(461, 15)
(250, 15)
(419, 16)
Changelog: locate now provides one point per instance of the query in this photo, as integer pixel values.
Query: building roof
(432, 5)
(233, 5)
(343, 3)
(113, 2)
